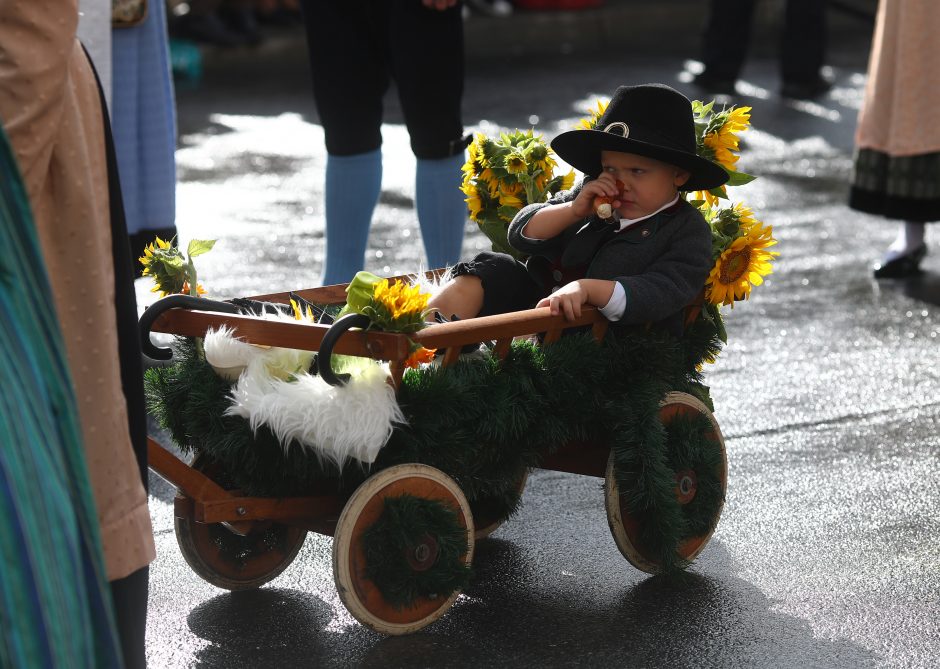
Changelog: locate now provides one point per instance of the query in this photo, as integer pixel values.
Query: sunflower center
(734, 267)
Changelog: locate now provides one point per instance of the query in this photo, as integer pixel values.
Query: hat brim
(582, 149)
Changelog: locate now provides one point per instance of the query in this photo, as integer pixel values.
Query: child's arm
(551, 221)
(572, 296)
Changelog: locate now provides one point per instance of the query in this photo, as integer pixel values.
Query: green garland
(404, 523)
(482, 423)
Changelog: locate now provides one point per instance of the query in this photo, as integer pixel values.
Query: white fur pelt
(229, 356)
(334, 423)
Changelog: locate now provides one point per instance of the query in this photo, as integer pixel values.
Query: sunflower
(474, 204)
(709, 197)
(721, 146)
(742, 265)
(721, 135)
(738, 119)
(516, 163)
(567, 181)
(163, 261)
(396, 306)
(510, 197)
(595, 114)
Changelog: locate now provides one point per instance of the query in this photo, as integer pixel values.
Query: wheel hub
(423, 554)
(686, 486)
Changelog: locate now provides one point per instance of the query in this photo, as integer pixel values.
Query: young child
(645, 263)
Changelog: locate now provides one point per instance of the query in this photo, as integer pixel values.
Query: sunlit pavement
(827, 395)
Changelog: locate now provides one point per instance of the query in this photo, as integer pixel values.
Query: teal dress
(55, 603)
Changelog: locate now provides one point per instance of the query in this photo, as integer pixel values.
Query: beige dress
(900, 114)
(50, 108)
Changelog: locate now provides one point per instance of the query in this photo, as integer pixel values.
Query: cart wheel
(626, 529)
(487, 516)
(226, 558)
(358, 592)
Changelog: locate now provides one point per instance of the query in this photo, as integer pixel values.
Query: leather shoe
(903, 266)
(805, 90)
(712, 84)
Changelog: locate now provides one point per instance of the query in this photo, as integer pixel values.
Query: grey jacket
(662, 262)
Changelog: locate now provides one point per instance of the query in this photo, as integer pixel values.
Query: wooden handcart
(214, 521)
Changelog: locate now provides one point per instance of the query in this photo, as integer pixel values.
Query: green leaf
(739, 179)
(360, 289)
(199, 246)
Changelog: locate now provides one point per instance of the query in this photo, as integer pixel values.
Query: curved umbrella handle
(174, 302)
(337, 330)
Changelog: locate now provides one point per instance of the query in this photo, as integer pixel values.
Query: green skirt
(55, 603)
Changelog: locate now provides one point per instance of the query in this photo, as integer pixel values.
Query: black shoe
(713, 84)
(903, 266)
(805, 90)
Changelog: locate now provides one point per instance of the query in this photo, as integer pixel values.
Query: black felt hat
(651, 120)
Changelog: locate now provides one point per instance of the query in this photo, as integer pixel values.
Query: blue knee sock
(353, 184)
(442, 212)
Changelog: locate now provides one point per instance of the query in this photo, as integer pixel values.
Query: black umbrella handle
(337, 330)
(174, 302)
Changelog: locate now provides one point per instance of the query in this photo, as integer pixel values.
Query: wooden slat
(191, 483)
(286, 334)
(502, 348)
(316, 508)
(552, 336)
(586, 458)
(500, 326)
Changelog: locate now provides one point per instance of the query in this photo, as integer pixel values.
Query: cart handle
(156, 309)
(337, 330)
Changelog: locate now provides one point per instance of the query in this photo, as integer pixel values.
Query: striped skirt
(901, 187)
(55, 603)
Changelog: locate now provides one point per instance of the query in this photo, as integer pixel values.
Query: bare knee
(461, 297)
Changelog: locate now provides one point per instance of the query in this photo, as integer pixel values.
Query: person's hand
(568, 300)
(439, 4)
(603, 186)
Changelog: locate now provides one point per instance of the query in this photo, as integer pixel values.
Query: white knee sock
(910, 236)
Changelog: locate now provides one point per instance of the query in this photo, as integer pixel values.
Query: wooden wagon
(215, 523)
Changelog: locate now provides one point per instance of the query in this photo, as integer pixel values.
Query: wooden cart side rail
(336, 293)
(503, 328)
(381, 345)
(213, 504)
(286, 334)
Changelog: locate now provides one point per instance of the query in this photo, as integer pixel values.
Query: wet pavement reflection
(827, 396)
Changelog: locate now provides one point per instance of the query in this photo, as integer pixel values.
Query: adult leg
(725, 40)
(426, 50)
(348, 93)
(803, 45)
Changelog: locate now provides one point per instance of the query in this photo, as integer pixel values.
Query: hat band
(623, 127)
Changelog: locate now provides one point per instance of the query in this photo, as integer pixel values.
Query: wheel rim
(229, 559)
(359, 594)
(626, 529)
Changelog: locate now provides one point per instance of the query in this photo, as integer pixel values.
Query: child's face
(648, 183)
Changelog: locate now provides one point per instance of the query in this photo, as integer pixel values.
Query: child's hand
(604, 186)
(568, 300)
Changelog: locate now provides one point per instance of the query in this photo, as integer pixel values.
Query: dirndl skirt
(899, 187)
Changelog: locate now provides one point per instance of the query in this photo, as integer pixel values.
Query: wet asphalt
(827, 396)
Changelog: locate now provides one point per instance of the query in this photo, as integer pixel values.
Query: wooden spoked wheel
(486, 518)
(230, 559)
(358, 593)
(626, 529)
